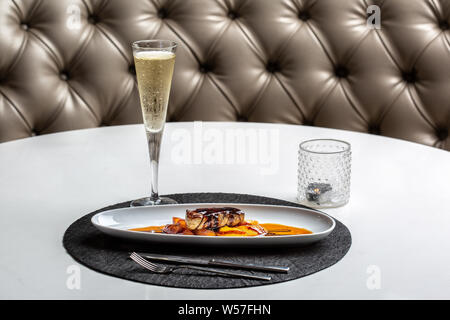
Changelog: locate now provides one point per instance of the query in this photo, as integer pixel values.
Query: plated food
(221, 221)
(147, 223)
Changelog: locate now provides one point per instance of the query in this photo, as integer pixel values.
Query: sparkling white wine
(154, 70)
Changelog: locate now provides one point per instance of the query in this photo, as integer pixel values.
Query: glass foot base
(151, 202)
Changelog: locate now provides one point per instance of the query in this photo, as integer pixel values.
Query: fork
(165, 270)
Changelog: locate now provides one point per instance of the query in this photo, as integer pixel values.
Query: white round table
(399, 210)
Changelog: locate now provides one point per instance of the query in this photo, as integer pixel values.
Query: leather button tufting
(232, 15)
(242, 119)
(273, 66)
(64, 76)
(341, 72)
(442, 133)
(304, 15)
(92, 19)
(162, 13)
(244, 57)
(205, 68)
(410, 76)
(374, 129)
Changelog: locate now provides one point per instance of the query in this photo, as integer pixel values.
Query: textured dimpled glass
(324, 170)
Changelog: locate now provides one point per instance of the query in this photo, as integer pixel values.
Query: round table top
(399, 209)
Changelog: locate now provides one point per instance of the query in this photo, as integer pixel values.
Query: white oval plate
(117, 222)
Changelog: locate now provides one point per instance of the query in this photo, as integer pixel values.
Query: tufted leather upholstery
(311, 62)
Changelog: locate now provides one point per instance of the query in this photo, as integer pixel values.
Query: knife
(213, 262)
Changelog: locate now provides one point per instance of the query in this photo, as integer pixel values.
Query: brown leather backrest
(67, 64)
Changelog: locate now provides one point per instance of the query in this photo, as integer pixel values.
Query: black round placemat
(109, 255)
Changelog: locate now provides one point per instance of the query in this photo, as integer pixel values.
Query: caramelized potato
(180, 221)
(176, 219)
(173, 228)
(188, 232)
(204, 232)
(236, 230)
(241, 231)
(249, 222)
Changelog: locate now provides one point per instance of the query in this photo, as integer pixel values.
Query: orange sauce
(248, 228)
(282, 230)
(152, 229)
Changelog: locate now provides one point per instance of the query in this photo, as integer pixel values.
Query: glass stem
(154, 146)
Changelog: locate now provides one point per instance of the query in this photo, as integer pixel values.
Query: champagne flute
(154, 62)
